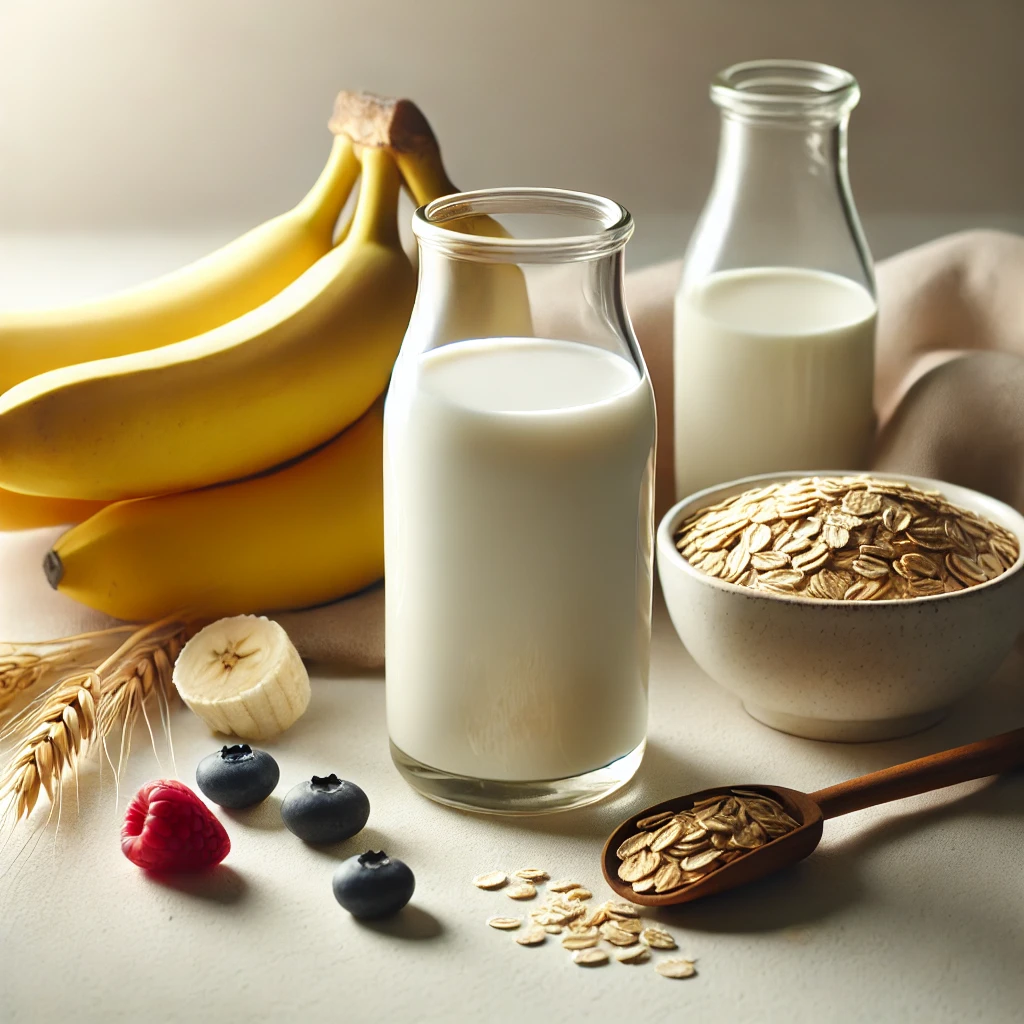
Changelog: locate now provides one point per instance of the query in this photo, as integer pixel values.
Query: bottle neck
(781, 197)
(779, 161)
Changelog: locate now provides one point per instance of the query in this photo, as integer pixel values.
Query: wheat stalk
(55, 734)
(25, 666)
(143, 670)
(87, 706)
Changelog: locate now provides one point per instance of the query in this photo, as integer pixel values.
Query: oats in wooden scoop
(692, 843)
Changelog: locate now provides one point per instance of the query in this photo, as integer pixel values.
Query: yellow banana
(251, 394)
(307, 533)
(467, 299)
(196, 298)
(27, 512)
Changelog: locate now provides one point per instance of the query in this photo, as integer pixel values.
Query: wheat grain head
(88, 706)
(24, 666)
(55, 735)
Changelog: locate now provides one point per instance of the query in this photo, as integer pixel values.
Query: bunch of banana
(196, 298)
(29, 511)
(210, 292)
(261, 389)
(304, 534)
(239, 468)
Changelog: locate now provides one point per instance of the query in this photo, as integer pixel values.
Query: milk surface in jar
(518, 504)
(774, 370)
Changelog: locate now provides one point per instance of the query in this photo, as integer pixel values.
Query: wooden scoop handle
(974, 761)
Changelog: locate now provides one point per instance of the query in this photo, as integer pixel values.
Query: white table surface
(910, 912)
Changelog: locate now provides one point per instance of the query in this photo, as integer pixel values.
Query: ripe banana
(27, 512)
(196, 298)
(242, 676)
(307, 533)
(248, 395)
(461, 299)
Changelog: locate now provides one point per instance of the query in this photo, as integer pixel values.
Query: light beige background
(203, 115)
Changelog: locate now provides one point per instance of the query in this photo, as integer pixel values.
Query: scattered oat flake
(621, 909)
(578, 895)
(582, 940)
(564, 886)
(590, 957)
(618, 936)
(532, 937)
(553, 929)
(633, 955)
(494, 880)
(548, 919)
(658, 938)
(628, 924)
(532, 874)
(524, 891)
(505, 924)
(676, 968)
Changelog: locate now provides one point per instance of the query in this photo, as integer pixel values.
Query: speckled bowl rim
(669, 522)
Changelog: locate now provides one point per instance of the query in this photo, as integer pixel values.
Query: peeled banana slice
(242, 676)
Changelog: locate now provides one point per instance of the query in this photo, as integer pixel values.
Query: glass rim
(430, 225)
(777, 88)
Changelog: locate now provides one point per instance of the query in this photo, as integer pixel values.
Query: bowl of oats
(844, 607)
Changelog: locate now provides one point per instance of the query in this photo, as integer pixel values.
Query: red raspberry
(168, 828)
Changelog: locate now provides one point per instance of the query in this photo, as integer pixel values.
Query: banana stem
(325, 200)
(400, 127)
(376, 216)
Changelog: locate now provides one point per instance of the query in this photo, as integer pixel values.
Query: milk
(518, 533)
(774, 370)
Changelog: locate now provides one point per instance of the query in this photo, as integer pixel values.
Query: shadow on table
(265, 816)
(363, 840)
(412, 922)
(662, 774)
(220, 884)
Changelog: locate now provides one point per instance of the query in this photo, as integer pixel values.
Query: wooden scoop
(974, 761)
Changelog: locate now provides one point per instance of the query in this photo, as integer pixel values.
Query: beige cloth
(949, 389)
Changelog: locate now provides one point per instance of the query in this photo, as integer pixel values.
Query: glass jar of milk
(518, 475)
(775, 313)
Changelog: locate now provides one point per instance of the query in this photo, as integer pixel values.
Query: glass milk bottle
(775, 313)
(518, 476)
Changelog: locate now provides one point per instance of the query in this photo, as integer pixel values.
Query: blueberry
(237, 776)
(325, 810)
(372, 884)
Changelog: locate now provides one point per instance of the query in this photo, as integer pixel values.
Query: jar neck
(522, 262)
(582, 300)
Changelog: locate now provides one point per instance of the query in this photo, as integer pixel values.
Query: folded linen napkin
(949, 390)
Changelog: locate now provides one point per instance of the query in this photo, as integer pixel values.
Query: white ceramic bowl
(843, 670)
